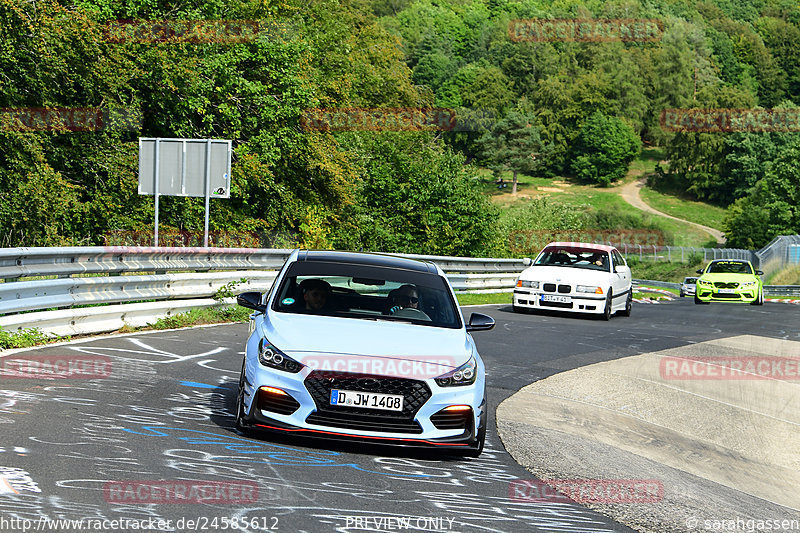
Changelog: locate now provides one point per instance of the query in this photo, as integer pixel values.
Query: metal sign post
(156, 188)
(185, 167)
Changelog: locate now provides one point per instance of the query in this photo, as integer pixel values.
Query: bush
(24, 338)
(604, 148)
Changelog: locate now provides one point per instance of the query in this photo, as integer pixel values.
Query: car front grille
(552, 287)
(320, 384)
(724, 285)
(728, 296)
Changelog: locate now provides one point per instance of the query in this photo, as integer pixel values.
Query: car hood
(729, 278)
(563, 274)
(739, 278)
(313, 340)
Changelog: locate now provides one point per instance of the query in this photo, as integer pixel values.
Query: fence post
(682, 260)
(669, 254)
(640, 252)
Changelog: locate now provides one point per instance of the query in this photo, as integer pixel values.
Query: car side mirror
(527, 261)
(700, 271)
(480, 322)
(251, 300)
(620, 268)
(759, 272)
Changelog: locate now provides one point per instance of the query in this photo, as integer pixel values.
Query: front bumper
(305, 410)
(579, 303)
(463, 442)
(711, 294)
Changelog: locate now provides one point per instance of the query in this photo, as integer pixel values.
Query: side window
(618, 259)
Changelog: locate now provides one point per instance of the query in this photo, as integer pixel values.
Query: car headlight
(463, 375)
(703, 282)
(529, 284)
(269, 355)
(594, 289)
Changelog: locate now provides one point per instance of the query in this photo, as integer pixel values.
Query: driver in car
(404, 297)
(316, 293)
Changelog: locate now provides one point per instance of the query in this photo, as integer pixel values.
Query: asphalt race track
(80, 448)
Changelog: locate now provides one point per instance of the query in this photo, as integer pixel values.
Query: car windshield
(367, 292)
(690, 281)
(574, 257)
(729, 267)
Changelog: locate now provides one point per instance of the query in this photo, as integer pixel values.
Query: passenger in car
(602, 260)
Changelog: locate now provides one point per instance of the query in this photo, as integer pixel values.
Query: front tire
(481, 438)
(698, 301)
(628, 304)
(607, 309)
(242, 423)
(760, 299)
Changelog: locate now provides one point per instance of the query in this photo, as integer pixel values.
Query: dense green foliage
(712, 54)
(581, 108)
(604, 148)
(62, 187)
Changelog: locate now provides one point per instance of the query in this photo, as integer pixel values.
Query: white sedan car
(578, 277)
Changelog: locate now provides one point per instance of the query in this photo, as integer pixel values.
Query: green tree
(513, 144)
(603, 150)
(772, 206)
(416, 197)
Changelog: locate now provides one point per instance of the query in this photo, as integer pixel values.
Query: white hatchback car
(578, 277)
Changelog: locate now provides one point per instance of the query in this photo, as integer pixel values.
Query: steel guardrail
(66, 281)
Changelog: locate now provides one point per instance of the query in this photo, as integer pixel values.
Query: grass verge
(787, 276)
(693, 211)
(484, 298)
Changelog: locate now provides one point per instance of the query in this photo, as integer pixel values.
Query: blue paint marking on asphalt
(198, 385)
(259, 452)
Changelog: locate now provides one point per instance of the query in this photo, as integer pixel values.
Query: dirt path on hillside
(630, 193)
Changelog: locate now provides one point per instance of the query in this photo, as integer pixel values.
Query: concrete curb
(723, 448)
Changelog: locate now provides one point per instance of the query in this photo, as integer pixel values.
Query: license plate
(367, 400)
(726, 291)
(554, 298)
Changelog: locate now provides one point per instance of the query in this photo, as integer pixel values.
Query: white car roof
(589, 245)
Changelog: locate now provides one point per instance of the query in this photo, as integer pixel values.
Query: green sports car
(729, 280)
